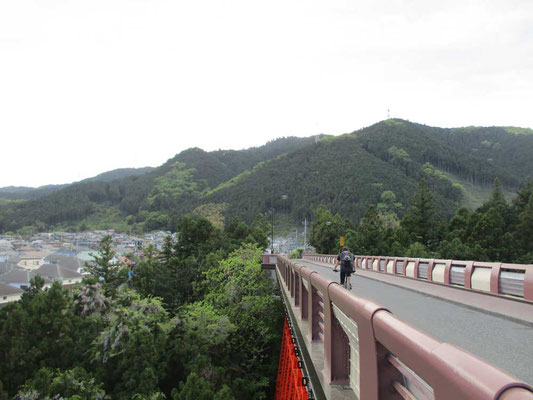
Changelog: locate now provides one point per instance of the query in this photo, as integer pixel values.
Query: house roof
(68, 261)
(54, 271)
(86, 255)
(20, 275)
(6, 290)
(126, 260)
(5, 244)
(33, 255)
(124, 250)
(6, 267)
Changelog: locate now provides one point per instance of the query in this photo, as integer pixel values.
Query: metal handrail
(492, 285)
(451, 372)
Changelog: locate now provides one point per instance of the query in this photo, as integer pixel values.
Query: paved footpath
(503, 338)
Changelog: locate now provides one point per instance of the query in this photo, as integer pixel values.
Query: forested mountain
(351, 172)
(119, 173)
(146, 200)
(379, 164)
(26, 193)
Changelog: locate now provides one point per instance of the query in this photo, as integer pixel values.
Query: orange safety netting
(290, 382)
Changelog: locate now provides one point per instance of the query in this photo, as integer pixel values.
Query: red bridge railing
(382, 357)
(511, 280)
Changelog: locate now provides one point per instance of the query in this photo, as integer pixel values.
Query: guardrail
(381, 357)
(514, 280)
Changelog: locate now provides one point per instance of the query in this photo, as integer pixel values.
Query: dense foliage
(28, 193)
(348, 173)
(198, 320)
(154, 200)
(496, 231)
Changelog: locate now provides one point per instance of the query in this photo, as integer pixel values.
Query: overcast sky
(87, 86)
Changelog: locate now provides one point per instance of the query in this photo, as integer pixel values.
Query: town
(62, 256)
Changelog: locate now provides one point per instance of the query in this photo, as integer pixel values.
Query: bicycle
(347, 285)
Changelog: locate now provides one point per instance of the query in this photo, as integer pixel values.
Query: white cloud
(90, 86)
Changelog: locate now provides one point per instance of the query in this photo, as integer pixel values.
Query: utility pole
(272, 243)
(305, 233)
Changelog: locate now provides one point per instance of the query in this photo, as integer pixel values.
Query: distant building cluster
(61, 256)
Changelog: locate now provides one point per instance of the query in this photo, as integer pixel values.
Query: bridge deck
(507, 344)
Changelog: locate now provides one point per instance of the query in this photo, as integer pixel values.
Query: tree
(91, 301)
(3, 395)
(236, 232)
(524, 231)
(523, 194)
(422, 219)
(490, 233)
(41, 330)
(199, 342)
(455, 250)
(74, 384)
(260, 229)
(418, 250)
(130, 351)
(197, 388)
(460, 225)
(241, 291)
(371, 234)
(105, 268)
(497, 199)
(197, 237)
(145, 277)
(326, 231)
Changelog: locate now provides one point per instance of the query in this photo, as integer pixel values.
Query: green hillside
(152, 200)
(347, 173)
(28, 193)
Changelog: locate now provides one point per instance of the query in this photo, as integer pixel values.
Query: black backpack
(346, 260)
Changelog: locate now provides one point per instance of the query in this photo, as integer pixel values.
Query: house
(20, 278)
(87, 256)
(9, 293)
(6, 266)
(9, 256)
(32, 259)
(71, 262)
(5, 244)
(122, 251)
(58, 272)
(126, 261)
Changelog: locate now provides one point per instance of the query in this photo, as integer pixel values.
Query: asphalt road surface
(506, 344)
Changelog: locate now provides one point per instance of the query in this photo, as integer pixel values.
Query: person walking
(345, 260)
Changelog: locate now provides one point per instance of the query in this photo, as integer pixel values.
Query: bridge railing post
(292, 278)
(297, 281)
(304, 301)
(316, 317)
(361, 311)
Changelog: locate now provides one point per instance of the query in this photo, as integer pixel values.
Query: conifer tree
(524, 231)
(523, 194)
(370, 236)
(489, 232)
(497, 199)
(422, 219)
(105, 268)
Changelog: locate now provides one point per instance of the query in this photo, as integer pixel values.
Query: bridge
(408, 329)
